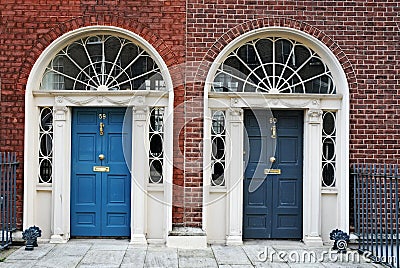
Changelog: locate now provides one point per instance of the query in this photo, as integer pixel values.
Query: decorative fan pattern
(102, 63)
(273, 65)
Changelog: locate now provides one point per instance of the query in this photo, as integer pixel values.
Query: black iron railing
(376, 211)
(8, 221)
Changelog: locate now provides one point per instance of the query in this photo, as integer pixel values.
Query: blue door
(100, 178)
(274, 208)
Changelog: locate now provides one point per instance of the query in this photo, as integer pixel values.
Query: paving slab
(235, 266)
(196, 258)
(110, 253)
(70, 249)
(59, 262)
(110, 258)
(327, 255)
(110, 245)
(230, 255)
(197, 262)
(36, 254)
(161, 257)
(134, 257)
(351, 265)
(18, 264)
(261, 253)
(306, 265)
(207, 253)
(271, 265)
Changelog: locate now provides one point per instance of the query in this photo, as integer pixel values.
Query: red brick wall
(27, 27)
(364, 35)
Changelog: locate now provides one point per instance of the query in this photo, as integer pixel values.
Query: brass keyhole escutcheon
(273, 121)
(272, 159)
(101, 129)
(273, 132)
(101, 156)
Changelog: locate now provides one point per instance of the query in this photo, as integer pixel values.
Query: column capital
(314, 116)
(140, 113)
(236, 114)
(60, 113)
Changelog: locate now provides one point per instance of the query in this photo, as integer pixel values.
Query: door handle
(101, 128)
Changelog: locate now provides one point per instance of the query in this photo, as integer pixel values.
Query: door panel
(273, 210)
(100, 201)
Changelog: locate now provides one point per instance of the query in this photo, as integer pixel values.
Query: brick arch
(248, 26)
(130, 24)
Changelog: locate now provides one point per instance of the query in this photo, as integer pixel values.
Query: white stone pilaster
(139, 175)
(312, 179)
(234, 181)
(60, 173)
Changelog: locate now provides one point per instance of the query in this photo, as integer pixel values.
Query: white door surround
(48, 204)
(224, 204)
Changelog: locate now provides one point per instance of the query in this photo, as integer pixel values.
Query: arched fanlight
(273, 65)
(102, 63)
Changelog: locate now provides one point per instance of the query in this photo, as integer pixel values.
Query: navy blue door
(274, 208)
(100, 200)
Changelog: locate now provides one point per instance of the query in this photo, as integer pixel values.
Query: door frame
(229, 210)
(55, 196)
(233, 190)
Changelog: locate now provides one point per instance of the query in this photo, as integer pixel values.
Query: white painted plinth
(313, 241)
(187, 237)
(138, 239)
(234, 240)
(58, 239)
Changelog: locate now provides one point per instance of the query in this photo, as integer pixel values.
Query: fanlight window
(274, 65)
(102, 63)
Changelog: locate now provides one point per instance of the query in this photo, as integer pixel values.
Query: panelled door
(273, 176)
(100, 179)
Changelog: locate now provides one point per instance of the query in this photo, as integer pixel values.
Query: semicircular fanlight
(273, 65)
(102, 63)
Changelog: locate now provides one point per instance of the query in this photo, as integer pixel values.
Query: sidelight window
(329, 149)
(218, 148)
(46, 145)
(156, 138)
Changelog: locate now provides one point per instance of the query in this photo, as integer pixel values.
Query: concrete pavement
(118, 253)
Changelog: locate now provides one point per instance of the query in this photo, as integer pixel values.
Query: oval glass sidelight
(329, 149)
(45, 150)
(156, 140)
(218, 147)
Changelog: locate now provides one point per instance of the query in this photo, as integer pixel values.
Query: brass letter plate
(271, 171)
(101, 169)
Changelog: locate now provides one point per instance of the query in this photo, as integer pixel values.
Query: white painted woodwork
(48, 205)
